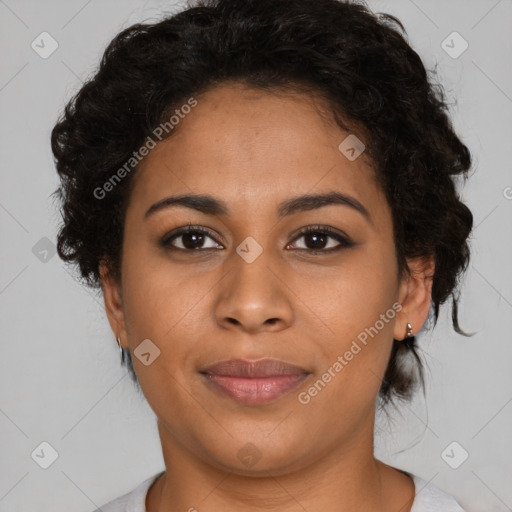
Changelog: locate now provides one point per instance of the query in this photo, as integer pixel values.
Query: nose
(254, 297)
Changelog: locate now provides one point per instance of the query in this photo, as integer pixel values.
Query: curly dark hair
(359, 61)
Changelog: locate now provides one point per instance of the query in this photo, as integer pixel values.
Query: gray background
(61, 381)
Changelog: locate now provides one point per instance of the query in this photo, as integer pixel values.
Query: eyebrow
(209, 205)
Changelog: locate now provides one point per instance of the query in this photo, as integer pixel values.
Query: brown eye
(192, 239)
(317, 237)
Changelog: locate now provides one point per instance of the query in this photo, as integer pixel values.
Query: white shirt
(428, 498)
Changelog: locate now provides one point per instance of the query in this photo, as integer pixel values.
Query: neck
(346, 478)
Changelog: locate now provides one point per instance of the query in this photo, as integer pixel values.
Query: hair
(359, 61)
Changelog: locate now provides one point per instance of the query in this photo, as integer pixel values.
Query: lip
(267, 367)
(254, 382)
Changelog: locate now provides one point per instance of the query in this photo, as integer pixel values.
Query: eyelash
(344, 241)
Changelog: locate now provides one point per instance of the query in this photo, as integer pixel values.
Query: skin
(253, 150)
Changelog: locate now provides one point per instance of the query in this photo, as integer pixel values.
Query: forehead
(251, 146)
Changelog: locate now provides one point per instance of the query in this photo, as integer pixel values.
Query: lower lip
(255, 391)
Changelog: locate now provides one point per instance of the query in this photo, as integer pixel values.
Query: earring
(409, 333)
(120, 349)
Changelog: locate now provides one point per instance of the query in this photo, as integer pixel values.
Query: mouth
(254, 382)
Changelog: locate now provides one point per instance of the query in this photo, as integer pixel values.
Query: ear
(113, 303)
(415, 296)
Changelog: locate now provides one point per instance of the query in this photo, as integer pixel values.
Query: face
(246, 283)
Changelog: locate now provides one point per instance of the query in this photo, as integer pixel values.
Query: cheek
(360, 306)
(355, 296)
(156, 293)
(163, 307)
(166, 305)
(354, 360)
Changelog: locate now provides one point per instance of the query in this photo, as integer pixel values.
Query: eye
(193, 238)
(317, 236)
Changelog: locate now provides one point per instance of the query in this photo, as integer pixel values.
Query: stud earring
(409, 333)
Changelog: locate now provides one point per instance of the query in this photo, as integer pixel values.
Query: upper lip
(253, 369)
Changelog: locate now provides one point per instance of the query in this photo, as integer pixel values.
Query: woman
(264, 191)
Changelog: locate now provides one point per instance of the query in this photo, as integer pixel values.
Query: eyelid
(318, 228)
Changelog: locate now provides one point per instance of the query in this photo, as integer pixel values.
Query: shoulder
(133, 501)
(431, 499)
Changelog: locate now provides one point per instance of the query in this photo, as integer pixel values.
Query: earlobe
(113, 303)
(415, 296)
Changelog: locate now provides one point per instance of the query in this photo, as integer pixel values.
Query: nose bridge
(251, 273)
(253, 296)
(251, 279)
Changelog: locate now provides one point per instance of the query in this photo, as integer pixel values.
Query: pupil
(316, 237)
(194, 236)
